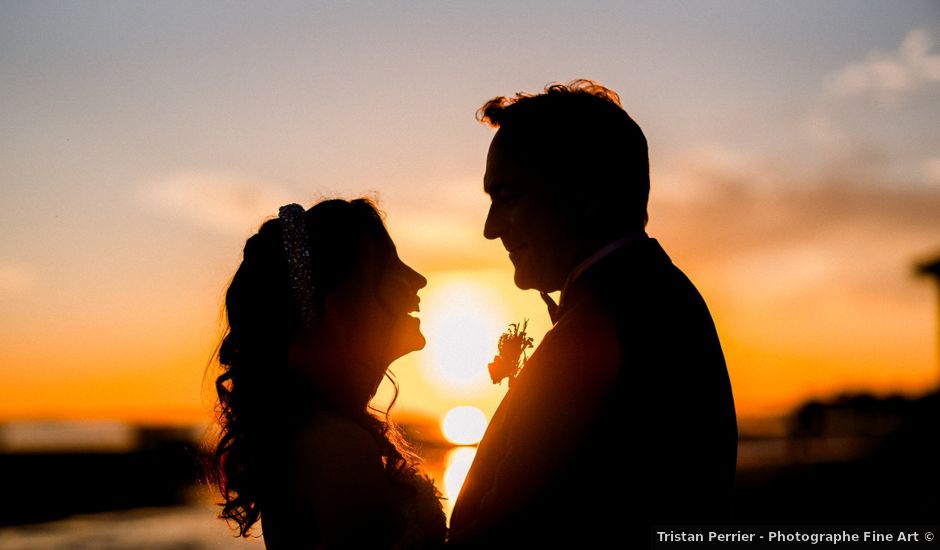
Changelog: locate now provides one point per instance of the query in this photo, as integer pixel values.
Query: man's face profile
(527, 214)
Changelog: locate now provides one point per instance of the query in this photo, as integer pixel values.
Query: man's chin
(521, 280)
(525, 281)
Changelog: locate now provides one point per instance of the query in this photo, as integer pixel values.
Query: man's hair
(579, 134)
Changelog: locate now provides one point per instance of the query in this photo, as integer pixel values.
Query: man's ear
(590, 209)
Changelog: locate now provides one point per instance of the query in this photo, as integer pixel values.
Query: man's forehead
(494, 158)
(507, 142)
(499, 172)
(489, 183)
(513, 160)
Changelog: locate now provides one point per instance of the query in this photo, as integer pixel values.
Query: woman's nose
(418, 280)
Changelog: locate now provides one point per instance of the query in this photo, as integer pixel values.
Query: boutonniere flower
(510, 353)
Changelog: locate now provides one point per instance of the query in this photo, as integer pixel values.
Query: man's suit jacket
(626, 404)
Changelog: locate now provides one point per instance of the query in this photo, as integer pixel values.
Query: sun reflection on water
(458, 465)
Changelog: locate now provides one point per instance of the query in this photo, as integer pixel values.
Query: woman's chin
(420, 342)
(415, 342)
(417, 336)
(411, 340)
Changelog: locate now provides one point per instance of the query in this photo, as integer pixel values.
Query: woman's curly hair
(259, 398)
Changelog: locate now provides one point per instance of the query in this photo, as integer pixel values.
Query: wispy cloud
(449, 235)
(810, 233)
(822, 131)
(220, 202)
(889, 75)
(16, 277)
(810, 275)
(931, 170)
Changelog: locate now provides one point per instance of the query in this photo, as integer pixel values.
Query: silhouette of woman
(317, 310)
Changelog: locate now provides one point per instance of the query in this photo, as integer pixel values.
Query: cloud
(442, 242)
(445, 237)
(16, 278)
(449, 235)
(794, 234)
(809, 273)
(225, 203)
(890, 75)
(931, 170)
(823, 132)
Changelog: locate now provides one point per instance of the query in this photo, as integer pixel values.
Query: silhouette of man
(626, 403)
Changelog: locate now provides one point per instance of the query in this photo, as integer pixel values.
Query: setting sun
(462, 320)
(464, 425)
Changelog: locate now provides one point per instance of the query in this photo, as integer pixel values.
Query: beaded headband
(294, 234)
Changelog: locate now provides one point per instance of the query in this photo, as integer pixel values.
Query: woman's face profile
(376, 315)
(398, 296)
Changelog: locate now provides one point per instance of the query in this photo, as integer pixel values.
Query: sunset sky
(795, 152)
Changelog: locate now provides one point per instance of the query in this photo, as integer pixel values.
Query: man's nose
(495, 223)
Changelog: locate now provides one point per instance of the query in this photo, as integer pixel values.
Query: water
(192, 526)
(189, 527)
(195, 526)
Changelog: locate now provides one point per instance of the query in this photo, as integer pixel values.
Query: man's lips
(515, 250)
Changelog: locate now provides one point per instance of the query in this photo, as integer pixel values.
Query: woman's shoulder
(424, 514)
(335, 491)
(339, 471)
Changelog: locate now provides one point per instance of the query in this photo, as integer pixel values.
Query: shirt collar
(598, 256)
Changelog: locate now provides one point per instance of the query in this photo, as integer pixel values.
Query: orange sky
(795, 179)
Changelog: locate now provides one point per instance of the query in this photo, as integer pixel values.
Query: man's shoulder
(642, 280)
(643, 262)
(637, 299)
